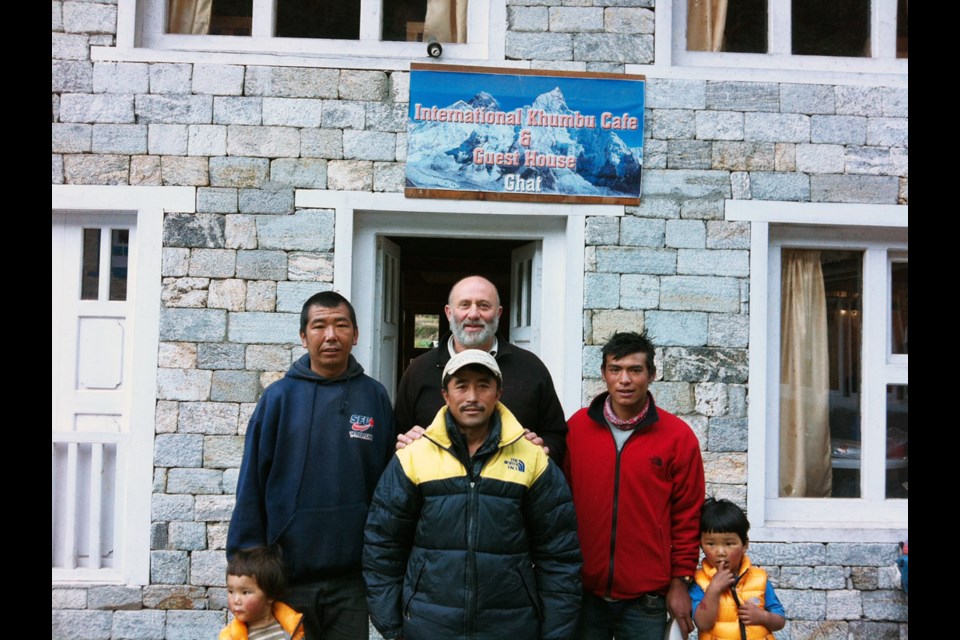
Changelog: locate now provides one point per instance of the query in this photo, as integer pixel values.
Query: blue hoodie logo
(359, 425)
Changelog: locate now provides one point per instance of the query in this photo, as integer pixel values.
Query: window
(829, 436)
(843, 35)
(304, 27)
(105, 316)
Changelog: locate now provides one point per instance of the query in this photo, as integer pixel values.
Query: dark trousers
(643, 618)
(333, 609)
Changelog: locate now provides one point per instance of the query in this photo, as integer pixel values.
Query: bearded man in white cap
(472, 533)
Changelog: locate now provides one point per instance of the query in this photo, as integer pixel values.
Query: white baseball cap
(471, 356)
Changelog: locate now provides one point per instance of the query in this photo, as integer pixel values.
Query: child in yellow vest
(732, 599)
(255, 578)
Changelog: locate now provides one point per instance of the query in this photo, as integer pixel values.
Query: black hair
(327, 300)
(473, 366)
(263, 564)
(723, 516)
(623, 343)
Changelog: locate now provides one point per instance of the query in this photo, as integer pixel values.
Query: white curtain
(804, 378)
(189, 16)
(446, 20)
(706, 20)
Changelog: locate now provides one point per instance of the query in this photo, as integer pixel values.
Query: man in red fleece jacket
(637, 479)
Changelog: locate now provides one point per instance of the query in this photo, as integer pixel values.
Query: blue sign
(497, 134)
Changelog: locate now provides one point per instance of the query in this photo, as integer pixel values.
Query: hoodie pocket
(321, 540)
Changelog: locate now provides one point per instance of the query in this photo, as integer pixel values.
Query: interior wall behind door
(429, 267)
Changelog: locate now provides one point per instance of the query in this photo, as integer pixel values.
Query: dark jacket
(638, 510)
(480, 548)
(527, 391)
(313, 453)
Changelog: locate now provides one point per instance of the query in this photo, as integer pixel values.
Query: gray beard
(474, 340)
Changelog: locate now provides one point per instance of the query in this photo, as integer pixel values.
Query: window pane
(902, 28)
(312, 19)
(403, 20)
(426, 331)
(90, 267)
(231, 17)
(119, 248)
(898, 307)
(897, 441)
(719, 25)
(820, 373)
(831, 27)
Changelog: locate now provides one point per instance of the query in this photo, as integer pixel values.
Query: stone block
(357, 84)
(71, 138)
(261, 295)
(638, 291)
(728, 330)
(719, 125)
(292, 295)
(602, 230)
(313, 267)
(90, 169)
(237, 110)
(887, 132)
(81, 625)
(207, 140)
(875, 161)
(689, 154)
(119, 77)
(306, 230)
(192, 482)
(192, 325)
(174, 109)
(70, 46)
(699, 293)
(675, 397)
(170, 78)
(711, 400)
(165, 597)
(669, 328)
(807, 98)
(743, 96)
(838, 129)
(239, 172)
(218, 79)
(726, 434)
(292, 112)
(177, 355)
(369, 145)
(184, 292)
(89, 17)
(240, 232)
(601, 290)
(613, 47)
(389, 177)
(642, 232)
(178, 450)
(291, 82)
(779, 186)
(190, 625)
(273, 198)
(263, 141)
(208, 568)
(703, 364)
(530, 19)
(689, 234)
(576, 19)
(776, 127)
(859, 100)
(894, 102)
(539, 46)
(687, 184)
(222, 452)
(725, 468)
(227, 294)
(854, 189)
(350, 175)
(262, 265)
(69, 598)
(168, 567)
(671, 124)
(138, 625)
(628, 20)
(219, 355)
(145, 171)
(215, 508)
(234, 386)
(114, 597)
(321, 143)
(304, 173)
(664, 93)
(212, 263)
(167, 139)
(267, 358)
(339, 114)
(796, 554)
(606, 323)
(636, 260)
(71, 76)
(209, 417)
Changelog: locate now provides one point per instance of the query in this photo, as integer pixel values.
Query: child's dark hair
(263, 564)
(723, 516)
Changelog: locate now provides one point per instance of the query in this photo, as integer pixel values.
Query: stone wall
(236, 271)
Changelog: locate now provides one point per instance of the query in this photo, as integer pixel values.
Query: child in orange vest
(732, 599)
(254, 580)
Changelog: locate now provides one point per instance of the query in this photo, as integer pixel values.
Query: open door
(524, 307)
(387, 312)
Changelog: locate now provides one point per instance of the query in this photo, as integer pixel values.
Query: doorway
(428, 268)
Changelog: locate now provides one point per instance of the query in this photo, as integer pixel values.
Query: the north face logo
(515, 464)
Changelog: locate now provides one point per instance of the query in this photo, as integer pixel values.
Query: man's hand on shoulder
(535, 439)
(415, 433)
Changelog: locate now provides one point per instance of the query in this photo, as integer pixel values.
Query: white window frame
(880, 231)
(141, 26)
(673, 61)
(135, 479)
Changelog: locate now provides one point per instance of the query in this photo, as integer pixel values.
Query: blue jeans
(333, 609)
(643, 618)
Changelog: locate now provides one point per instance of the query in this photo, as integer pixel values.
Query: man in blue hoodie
(315, 448)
